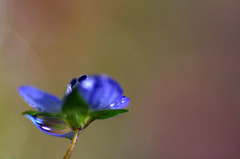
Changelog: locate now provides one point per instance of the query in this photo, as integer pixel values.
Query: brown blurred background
(179, 61)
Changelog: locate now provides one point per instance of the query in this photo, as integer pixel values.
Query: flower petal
(52, 126)
(40, 100)
(122, 103)
(99, 91)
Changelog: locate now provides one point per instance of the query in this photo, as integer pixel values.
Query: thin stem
(71, 147)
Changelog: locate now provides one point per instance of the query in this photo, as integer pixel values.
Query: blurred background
(178, 61)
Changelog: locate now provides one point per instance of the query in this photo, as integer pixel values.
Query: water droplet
(111, 105)
(46, 128)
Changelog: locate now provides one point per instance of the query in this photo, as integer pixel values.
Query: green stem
(71, 147)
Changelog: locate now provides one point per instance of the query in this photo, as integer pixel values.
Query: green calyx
(76, 113)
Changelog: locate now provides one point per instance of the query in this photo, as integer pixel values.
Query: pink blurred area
(178, 61)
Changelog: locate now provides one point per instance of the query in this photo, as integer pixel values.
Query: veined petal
(122, 103)
(52, 126)
(40, 100)
(99, 91)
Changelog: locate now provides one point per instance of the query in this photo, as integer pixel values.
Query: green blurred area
(178, 61)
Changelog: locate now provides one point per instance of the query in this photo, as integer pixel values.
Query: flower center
(74, 82)
(82, 78)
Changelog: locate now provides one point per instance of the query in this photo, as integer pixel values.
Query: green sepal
(105, 114)
(75, 110)
(41, 113)
(30, 113)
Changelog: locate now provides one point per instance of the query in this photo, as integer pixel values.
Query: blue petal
(46, 125)
(40, 100)
(99, 91)
(122, 103)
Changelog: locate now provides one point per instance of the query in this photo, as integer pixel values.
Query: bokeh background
(179, 61)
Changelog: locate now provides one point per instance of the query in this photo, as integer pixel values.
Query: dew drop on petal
(46, 128)
(111, 105)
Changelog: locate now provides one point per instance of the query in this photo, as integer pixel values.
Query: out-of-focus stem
(72, 145)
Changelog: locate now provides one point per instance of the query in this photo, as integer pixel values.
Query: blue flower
(100, 92)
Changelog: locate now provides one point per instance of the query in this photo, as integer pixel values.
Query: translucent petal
(52, 126)
(122, 103)
(40, 100)
(100, 91)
